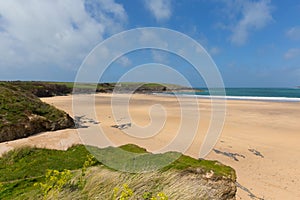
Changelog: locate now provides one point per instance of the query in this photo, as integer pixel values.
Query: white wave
(252, 98)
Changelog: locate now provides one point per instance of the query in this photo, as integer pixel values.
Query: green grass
(31, 162)
(21, 189)
(137, 159)
(185, 162)
(21, 168)
(15, 104)
(40, 88)
(68, 84)
(67, 87)
(19, 109)
(32, 85)
(133, 148)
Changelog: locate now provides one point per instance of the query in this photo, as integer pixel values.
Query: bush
(54, 182)
(124, 194)
(90, 161)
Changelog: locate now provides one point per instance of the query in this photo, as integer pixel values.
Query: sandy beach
(260, 140)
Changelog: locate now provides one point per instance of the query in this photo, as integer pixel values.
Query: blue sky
(253, 43)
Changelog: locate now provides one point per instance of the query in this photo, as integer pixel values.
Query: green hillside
(23, 114)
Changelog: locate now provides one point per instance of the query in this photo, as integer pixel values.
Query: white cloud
(294, 33)
(55, 33)
(107, 12)
(246, 16)
(124, 61)
(160, 9)
(159, 56)
(292, 53)
(152, 38)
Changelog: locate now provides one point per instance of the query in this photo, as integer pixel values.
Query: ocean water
(264, 94)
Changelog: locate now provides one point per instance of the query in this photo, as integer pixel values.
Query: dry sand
(271, 128)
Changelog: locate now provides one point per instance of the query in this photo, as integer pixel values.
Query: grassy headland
(20, 169)
(49, 89)
(23, 114)
(42, 89)
(125, 87)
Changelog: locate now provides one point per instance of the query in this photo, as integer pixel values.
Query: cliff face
(22, 114)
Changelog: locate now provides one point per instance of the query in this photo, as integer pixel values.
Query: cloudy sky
(254, 43)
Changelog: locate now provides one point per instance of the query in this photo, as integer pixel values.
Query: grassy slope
(23, 114)
(42, 89)
(48, 89)
(21, 168)
(16, 104)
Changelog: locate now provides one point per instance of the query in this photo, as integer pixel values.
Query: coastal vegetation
(135, 87)
(36, 173)
(50, 89)
(23, 114)
(41, 89)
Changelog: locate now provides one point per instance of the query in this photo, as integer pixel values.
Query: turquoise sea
(265, 94)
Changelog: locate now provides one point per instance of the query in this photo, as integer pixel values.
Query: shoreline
(226, 98)
(251, 129)
(242, 98)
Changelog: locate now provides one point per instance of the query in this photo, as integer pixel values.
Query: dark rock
(229, 154)
(122, 126)
(255, 152)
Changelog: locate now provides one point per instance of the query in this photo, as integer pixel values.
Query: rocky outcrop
(22, 114)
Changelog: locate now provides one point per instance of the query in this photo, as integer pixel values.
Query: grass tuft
(133, 148)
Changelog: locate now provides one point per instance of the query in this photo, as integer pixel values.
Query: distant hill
(50, 89)
(23, 114)
(135, 87)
